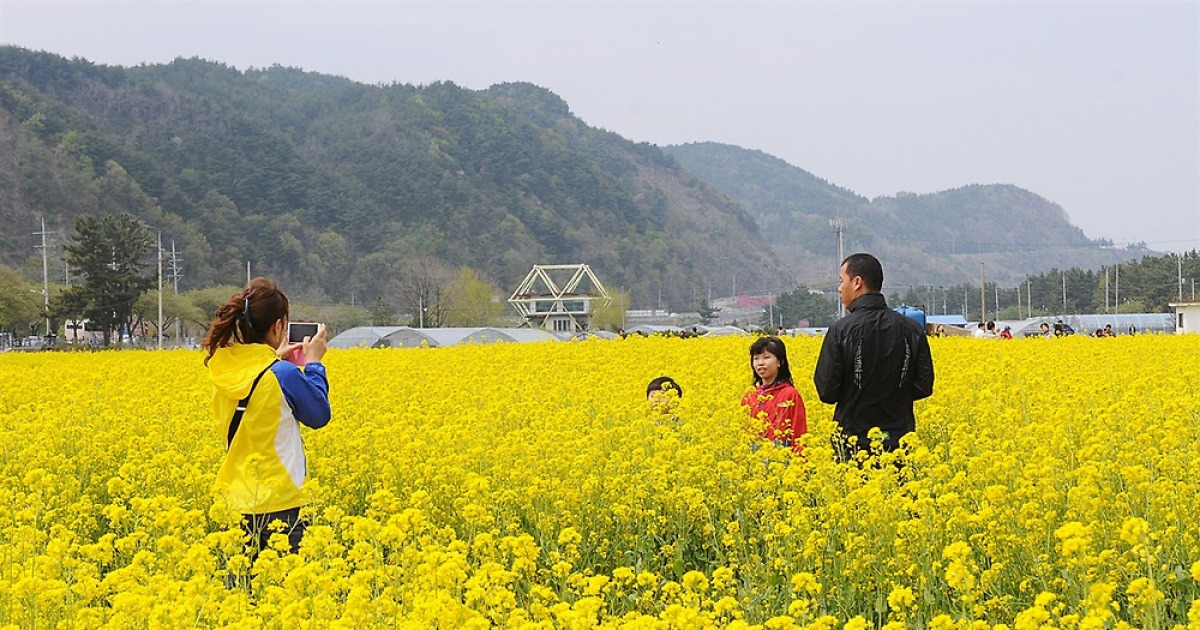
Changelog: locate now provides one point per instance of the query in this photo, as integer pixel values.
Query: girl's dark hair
(773, 345)
(247, 317)
(663, 383)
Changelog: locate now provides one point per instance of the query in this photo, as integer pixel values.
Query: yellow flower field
(1053, 483)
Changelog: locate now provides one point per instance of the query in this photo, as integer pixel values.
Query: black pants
(260, 529)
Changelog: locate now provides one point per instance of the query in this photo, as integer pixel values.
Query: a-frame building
(559, 298)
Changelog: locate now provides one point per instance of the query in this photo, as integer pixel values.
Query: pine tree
(109, 254)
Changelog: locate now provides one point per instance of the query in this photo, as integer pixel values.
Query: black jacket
(874, 363)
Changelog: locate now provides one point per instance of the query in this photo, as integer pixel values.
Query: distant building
(1121, 323)
(558, 298)
(660, 317)
(409, 337)
(1186, 317)
(947, 320)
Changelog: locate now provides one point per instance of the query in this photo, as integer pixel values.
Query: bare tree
(423, 285)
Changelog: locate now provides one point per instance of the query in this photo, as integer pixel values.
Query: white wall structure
(1187, 317)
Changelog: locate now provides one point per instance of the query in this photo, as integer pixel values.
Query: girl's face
(766, 366)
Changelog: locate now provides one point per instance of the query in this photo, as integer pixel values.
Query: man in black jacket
(874, 362)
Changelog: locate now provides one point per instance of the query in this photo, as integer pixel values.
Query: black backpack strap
(241, 408)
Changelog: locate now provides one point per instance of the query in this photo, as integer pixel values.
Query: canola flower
(1051, 483)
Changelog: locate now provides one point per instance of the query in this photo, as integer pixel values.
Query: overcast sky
(1095, 106)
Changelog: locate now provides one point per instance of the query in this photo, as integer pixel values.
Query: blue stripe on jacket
(306, 391)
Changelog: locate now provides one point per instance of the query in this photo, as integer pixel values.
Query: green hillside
(938, 238)
(331, 186)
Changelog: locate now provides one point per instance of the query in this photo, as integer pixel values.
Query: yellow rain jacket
(265, 466)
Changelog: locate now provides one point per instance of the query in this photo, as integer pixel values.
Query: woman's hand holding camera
(314, 347)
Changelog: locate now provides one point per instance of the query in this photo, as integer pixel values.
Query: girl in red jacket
(774, 400)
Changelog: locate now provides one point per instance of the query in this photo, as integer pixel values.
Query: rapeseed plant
(1049, 484)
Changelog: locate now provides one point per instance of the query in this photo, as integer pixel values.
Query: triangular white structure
(552, 297)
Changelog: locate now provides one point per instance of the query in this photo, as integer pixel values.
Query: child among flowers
(774, 399)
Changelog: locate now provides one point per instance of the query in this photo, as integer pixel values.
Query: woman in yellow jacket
(258, 404)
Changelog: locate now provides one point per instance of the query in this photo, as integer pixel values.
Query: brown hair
(247, 317)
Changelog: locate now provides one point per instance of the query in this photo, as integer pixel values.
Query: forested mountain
(938, 238)
(332, 186)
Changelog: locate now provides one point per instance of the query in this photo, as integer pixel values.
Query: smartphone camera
(297, 331)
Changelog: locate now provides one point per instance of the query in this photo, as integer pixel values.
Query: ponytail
(246, 317)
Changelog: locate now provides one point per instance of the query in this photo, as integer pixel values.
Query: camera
(297, 331)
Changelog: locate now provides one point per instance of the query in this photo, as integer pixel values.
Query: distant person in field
(980, 331)
(1108, 331)
(1046, 331)
(663, 393)
(1006, 333)
(874, 363)
(259, 403)
(774, 400)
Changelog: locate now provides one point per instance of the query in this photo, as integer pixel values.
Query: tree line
(1147, 285)
(113, 258)
(112, 293)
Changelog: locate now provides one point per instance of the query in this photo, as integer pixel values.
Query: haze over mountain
(938, 238)
(331, 186)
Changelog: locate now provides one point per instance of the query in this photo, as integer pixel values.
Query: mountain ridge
(331, 185)
(932, 238)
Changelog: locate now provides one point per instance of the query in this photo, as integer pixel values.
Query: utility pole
(1029, 297)
(1064, 276)
(839, 227)
(176, 274)
(160, 319)
(1117, 295)
(45, 275)
(176, 267)
(1180, 261)
(982, 294)
(1105, 290)
(247, 273)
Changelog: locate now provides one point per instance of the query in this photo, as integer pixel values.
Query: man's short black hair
(866, 267)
